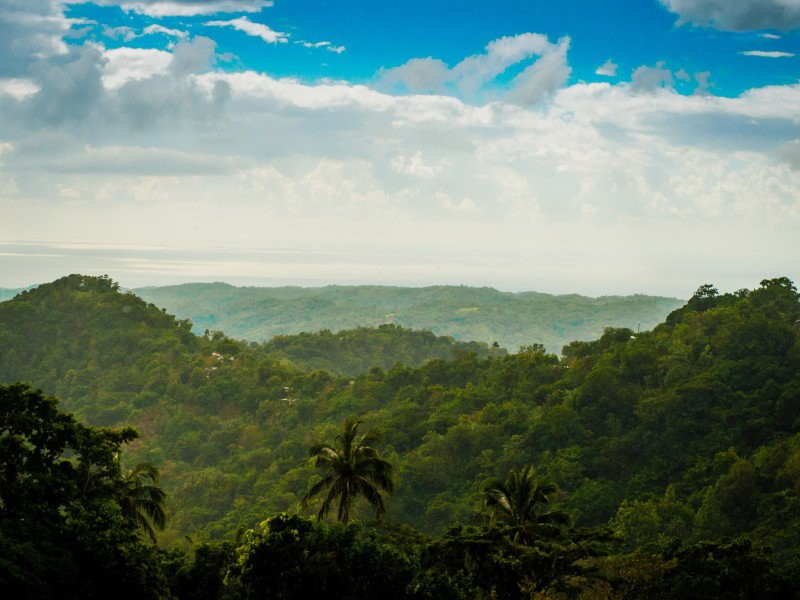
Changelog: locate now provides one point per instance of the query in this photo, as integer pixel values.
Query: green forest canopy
(465, 313)
(687, 432)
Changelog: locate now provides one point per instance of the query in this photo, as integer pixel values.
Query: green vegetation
(517, 503)
(465, 313)
(63, 531)
(352, 469)
(676, 454)
(358, 350)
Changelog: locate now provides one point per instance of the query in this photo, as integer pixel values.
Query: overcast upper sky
(594, 147)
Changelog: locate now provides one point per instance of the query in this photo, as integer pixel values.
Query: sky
(577, 146)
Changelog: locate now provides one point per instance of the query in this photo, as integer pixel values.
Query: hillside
(355, 351)
(688, 431)
(464, 313)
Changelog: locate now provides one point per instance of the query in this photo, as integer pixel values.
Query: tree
(144, 502)
(353, 469)
(292, 558)
(518, 501)
(63, 533)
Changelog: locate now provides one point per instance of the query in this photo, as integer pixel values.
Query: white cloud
(325, 44)
(192, 56)
(768, 54)
(128, 34)
(255, 29)
(17, 87)
(124, 64)
(418, 75)
(415, 166)
(770, 36)
(30, 30)
(156, 28)
(123, 32)
(542, 78)
(181, 8)
(607, 69)
(474, 75)
(738, 15)
(649, 79)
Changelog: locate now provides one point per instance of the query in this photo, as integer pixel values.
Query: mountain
(465, 313)
(8, 293)
(689, 431)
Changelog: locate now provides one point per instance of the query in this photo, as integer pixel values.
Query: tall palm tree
(520, 502)
(353, 468)
(143, 502)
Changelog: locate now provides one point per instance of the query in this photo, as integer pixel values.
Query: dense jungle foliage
(465, 313)
(356, 351)
(676, 451)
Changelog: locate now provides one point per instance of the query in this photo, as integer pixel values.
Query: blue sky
(385, 34)
(594, 147)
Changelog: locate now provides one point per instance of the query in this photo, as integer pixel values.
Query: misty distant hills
(8, 293)
(465, 313)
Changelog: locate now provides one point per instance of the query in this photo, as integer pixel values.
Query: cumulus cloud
(472, 76)
(607, 69)
(191, 56)
(255, 29)
(650, 79)
(542, 78)
(741, 15)
(416, 166)
(30, 30)
(124, 64)
(17, 87)
(181, 8)
(768, 53)
(418, 75)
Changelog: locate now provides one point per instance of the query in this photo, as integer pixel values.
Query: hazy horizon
(29, 263)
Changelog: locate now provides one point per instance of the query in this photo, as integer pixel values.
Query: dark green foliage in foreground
(465, 313)
(63, 533)
(288, 557)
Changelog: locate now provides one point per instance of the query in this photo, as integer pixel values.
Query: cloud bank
(738, 15)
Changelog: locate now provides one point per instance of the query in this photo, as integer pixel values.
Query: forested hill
(465, 313)
(355, 351)
(686, 433)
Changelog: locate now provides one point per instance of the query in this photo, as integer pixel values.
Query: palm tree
(143, 502)
(519, 501)
(353, 468)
